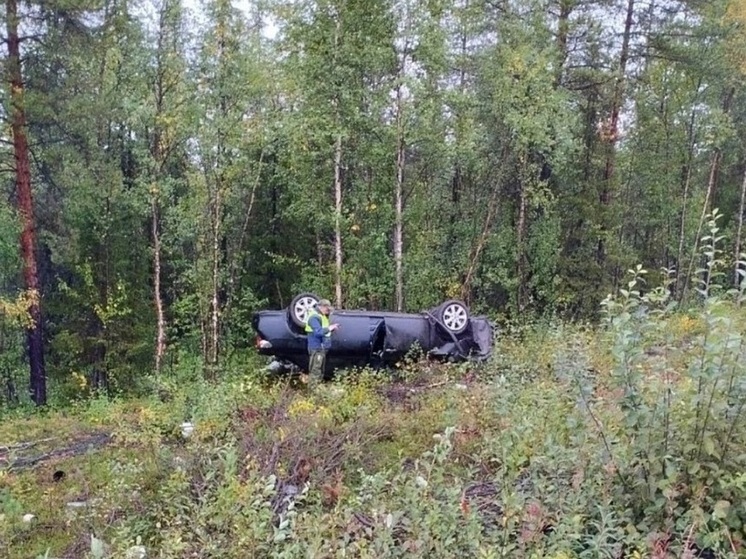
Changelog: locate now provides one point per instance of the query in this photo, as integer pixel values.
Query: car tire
(300, 306)
(454, 315)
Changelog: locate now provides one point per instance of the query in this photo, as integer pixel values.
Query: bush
(624, 440)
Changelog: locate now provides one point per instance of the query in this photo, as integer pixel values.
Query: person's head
(325, 306)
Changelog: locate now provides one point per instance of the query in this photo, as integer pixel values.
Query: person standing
(319, 335)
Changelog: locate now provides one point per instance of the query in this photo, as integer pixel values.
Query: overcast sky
(244, 5)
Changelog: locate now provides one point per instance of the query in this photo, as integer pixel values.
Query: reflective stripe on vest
(324, 322)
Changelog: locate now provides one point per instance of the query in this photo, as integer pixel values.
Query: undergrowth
(621, 440)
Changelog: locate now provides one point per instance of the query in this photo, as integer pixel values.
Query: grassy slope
(569, 444)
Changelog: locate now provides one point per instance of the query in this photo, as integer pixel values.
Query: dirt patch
(404, 393)
(28, 454)
(77, 548)
(298, 450)
(483, 498)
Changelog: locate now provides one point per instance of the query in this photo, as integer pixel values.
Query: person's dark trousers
(316, 364)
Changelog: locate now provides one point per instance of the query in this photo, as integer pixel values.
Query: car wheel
(299, 307)
(454, 315)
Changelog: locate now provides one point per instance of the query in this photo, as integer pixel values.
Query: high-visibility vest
(324, 322)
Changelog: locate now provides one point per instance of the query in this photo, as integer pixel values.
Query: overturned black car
(372, 338)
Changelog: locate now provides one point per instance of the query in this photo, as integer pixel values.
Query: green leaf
(97, 547)
(709, 445)
(721, 509)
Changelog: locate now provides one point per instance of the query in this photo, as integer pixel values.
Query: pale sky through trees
(244, 5)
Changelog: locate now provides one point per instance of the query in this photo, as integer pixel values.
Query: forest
(170, 168)
(574, 170)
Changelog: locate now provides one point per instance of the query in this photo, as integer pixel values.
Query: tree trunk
(717, 158)
(217, 186)
(616, 105)
(159, 160)
(338, 221)
(38, 381)
(714, 165)
(160, 342)
(399, 218)
(319, 251)
(563, 31)
(160, 339)
(215, 304)
(337, 188)
(737, 252)
(457, 181)
(687, 176)
(236, 256)
(612, 132)
(476, 253)
(728, 96)
(521, 241)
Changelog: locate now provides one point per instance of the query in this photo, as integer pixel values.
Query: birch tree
(230, 97)
(167, 127)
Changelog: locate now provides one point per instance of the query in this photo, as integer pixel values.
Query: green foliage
(572, 442)
(13, 311)
(216, 143)
(679, 406)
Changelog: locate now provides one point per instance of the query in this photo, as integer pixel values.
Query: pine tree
(16, 108)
